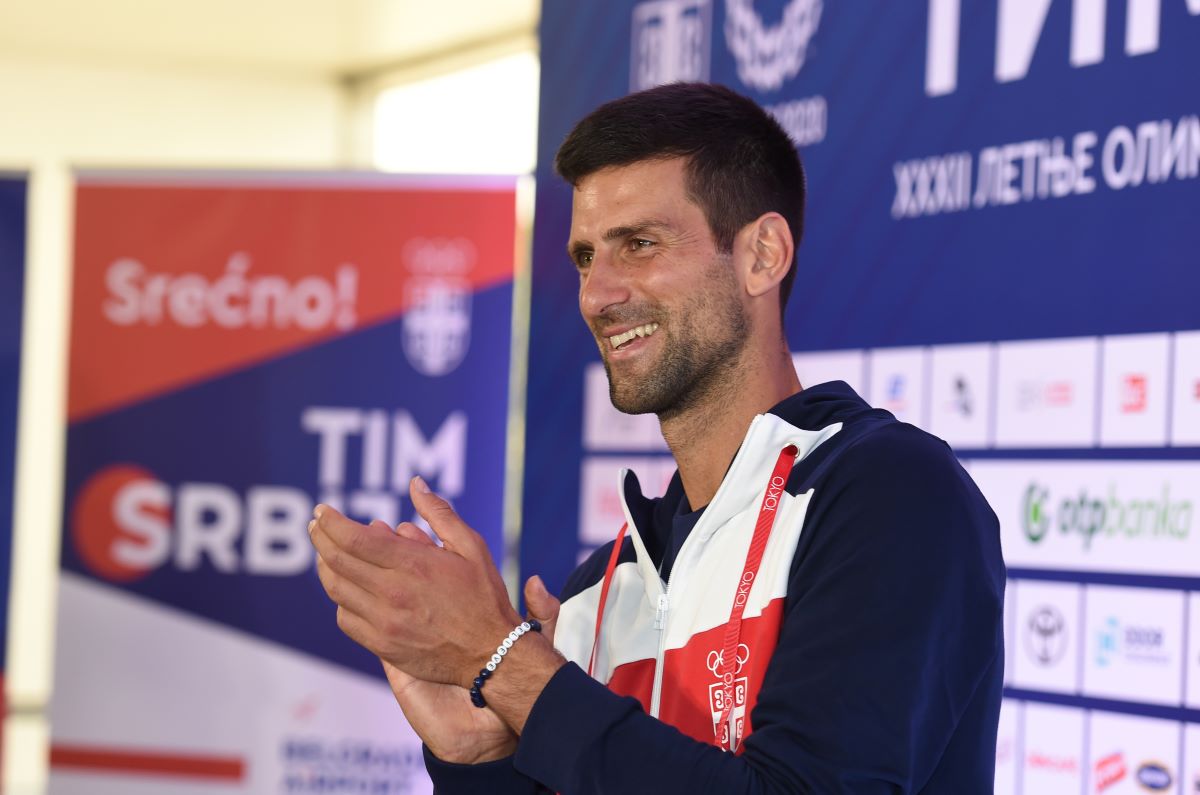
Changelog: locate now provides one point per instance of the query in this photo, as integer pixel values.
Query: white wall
(56, 116)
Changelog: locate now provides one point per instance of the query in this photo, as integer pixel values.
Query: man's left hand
(433, 612)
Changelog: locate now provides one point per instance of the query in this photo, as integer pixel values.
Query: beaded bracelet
(532, 625)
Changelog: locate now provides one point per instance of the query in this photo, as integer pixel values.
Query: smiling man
(814, 606)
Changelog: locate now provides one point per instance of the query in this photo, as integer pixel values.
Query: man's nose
(605, 283)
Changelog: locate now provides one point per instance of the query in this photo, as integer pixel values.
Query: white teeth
(641, 331)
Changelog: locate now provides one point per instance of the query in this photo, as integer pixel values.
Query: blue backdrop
(979, 172)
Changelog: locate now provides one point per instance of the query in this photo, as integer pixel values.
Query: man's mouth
(617, 340)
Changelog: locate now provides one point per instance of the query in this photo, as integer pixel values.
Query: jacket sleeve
(892, 628)
(497, 778)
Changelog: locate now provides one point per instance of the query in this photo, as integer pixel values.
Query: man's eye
(641, 243)
(583, 260)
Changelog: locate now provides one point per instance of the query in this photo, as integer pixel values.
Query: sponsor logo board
(1108, 771)
(1192, 661)
(1052, 758)
(1046, 393)
(1190, 768)
(1133, 402)
(897, 382)
(1185, 402)
(1006, 747)
(1130, 754)
(1128, 516)
(817, 367)
(1046, 637)
(1134, 646)
(960, 394)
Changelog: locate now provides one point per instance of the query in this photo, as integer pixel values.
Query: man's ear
(766, 247)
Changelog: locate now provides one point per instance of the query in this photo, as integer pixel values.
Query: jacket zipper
(664, 599)
(660, 623)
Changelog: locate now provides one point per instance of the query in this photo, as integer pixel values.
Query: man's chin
(632, 402)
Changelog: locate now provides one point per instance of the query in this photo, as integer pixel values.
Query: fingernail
(320, 509)
(422, 486)
(312, 526)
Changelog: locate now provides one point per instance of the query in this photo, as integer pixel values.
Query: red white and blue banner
(1001, 247)
(242, 348)
(12, 294)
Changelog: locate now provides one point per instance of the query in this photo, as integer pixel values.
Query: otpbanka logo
(437, 323)
(1139, 519)
(1034, 518)
(768, 56)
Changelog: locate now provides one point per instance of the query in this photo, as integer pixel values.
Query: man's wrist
(516, 684)
(473, 754)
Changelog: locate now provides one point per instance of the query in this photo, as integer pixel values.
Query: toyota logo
(1046, 635)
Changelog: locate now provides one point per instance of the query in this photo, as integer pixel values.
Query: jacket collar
(805, 419)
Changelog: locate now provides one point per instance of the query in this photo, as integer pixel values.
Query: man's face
(663, 304)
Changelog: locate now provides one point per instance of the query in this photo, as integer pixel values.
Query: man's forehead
(619, 195)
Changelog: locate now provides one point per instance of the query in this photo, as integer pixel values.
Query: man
(815, 604)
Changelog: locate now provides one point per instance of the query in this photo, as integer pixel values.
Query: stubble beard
(694, 370)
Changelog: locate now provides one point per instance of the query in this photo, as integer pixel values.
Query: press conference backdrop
(1001, 247)
(12, 291)
(241, 348)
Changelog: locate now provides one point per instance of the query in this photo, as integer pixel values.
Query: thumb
(542, 605)
(413, 533)
(400, 682)
(449, 526)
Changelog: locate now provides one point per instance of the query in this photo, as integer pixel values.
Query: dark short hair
(740, 162)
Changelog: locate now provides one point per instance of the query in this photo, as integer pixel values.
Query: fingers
(344, 591)
(406, 530)
(373, 543)
(449, 526)
(542, 605)
(331, 557)
(357, 628)
(371, 555)
(413, 533)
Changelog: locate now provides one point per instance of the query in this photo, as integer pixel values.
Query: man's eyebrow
(580, 247)
(637, 227)
(577, 249)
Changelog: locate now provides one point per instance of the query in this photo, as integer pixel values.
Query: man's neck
(705, 438)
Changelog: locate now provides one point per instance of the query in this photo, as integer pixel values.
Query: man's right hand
(453, 728)
(443, 716)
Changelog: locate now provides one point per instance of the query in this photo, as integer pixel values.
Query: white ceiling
(336, 37)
